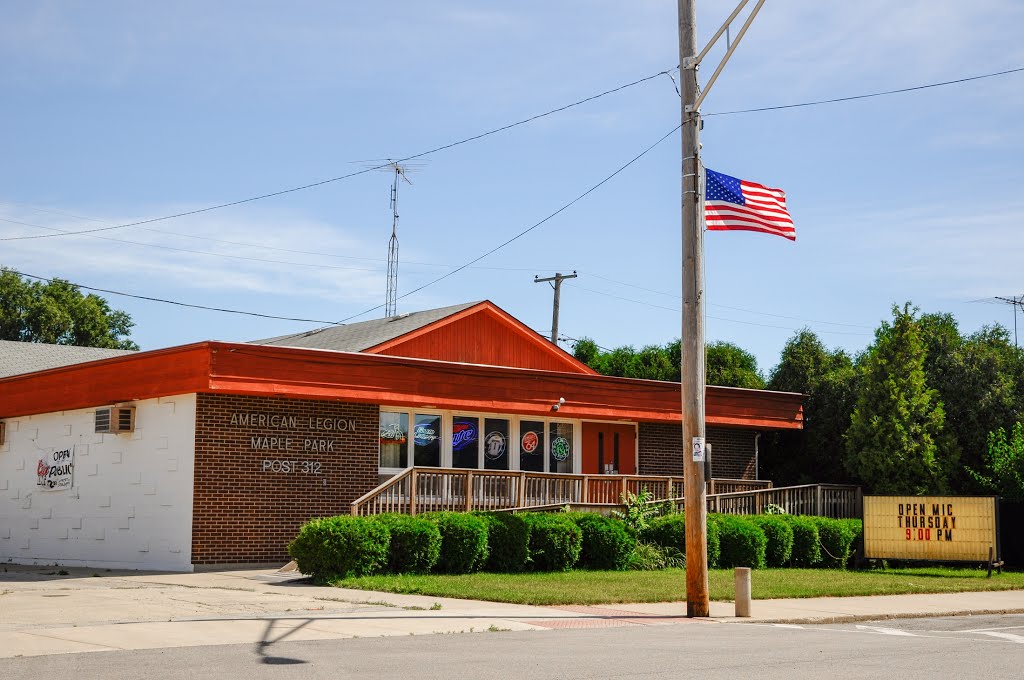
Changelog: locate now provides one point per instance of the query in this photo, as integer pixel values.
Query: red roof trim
(262, 370)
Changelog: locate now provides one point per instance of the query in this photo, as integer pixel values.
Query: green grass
(605, 587)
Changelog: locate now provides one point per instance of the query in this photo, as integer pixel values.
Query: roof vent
(115, 419)
(398, 318)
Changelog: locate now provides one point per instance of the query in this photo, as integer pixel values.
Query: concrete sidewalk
(54, 611)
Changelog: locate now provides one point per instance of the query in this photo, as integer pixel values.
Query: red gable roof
(482, 334)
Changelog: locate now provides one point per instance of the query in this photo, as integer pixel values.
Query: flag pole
(692, 368)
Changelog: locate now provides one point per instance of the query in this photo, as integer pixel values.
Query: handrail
(422, 489)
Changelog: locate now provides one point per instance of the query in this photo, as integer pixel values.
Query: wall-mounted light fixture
(561, 400)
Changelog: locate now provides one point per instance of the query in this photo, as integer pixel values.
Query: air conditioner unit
(115, 419)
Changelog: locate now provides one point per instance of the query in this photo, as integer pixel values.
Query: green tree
(813, 454)
(896, 431)
(730, 365)
(57, 312)
(979, 379)
(726, 364)
(1004, 464)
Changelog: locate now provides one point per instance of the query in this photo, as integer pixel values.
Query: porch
(430, 489)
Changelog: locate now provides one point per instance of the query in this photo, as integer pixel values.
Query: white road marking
(1019, 639)
(888, 631)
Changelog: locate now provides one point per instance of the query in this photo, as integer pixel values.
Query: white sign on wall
(56, 469)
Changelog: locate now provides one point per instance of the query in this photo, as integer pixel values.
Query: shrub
(508, 541)
(743, 543)
(806, 547)
(463, 542)
(337, 547)
(836, 538)
(606, 543)
(669, 531)
(652, 557)
(639, 511)
(856, 527)
(415, 543)
(780, 539)
(555, 541)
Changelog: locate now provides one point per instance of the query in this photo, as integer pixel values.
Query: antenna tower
(1018, 303)
(399, 174)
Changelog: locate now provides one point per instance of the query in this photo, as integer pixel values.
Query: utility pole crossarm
(557, 286)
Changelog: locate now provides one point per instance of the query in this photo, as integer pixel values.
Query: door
(609, 448)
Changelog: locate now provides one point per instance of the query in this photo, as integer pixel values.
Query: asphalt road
(959, 647)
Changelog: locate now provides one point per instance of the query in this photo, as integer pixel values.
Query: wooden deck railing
(824, 500)
(428, 489)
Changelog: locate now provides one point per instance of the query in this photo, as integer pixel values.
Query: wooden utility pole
(697, 599)
(557, 285)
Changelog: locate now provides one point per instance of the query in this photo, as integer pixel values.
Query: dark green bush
(856, 527)
(836, 538)
(463, 542)
(606, 542)
(669, 531)
(415, 543)
(806, 548)
(743, 543)
(780, 539)
(508, 541)
(555, 541)
(337, 547)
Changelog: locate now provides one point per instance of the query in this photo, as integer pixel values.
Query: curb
(854, 618)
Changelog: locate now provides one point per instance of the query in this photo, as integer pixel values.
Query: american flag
(739, 205)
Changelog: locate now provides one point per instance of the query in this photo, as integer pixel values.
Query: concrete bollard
(742, 592)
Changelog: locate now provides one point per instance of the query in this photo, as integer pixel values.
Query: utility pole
(695, 498)
(557, 286)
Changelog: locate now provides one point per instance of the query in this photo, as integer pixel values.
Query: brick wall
(661, 449)
(251, 496)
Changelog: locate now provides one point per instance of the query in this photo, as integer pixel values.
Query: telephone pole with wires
(556, 285)
(692, 369)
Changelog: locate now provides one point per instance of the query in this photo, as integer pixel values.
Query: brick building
(215, 453)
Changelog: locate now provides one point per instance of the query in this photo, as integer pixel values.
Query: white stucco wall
(130, 503)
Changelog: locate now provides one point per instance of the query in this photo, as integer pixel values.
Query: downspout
(757, 463)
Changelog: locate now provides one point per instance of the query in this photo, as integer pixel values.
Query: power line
(312, 185)
(717, 318)
(867, 96)
(170, 302)
(738, 309)
(265, 260)
(530, 228)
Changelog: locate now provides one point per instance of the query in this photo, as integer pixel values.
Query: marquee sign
(940, 528)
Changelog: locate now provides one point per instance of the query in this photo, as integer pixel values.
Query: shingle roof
(357, 337)
(27, 357)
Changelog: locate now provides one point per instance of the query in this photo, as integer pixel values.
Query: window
(465, 442)
(394, 439)
(426, 440)
(496, 444)
(531, 446)
(477, 441)
(560, 446)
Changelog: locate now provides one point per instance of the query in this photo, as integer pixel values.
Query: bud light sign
(463, 434)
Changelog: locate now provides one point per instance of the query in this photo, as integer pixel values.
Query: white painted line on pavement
(888, 631)
(1019, 639)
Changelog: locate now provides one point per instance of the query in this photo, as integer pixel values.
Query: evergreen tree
(896, 431)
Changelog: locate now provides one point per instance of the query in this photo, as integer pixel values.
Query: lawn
(603, 587)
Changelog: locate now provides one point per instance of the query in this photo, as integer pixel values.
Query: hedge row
(766, 540)
(459, 543)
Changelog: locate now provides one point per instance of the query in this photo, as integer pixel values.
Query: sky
(116, 112)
